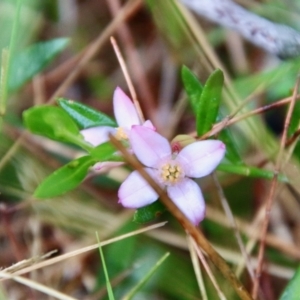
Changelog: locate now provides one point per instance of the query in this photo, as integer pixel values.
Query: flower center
(170, 172)
(121, 134)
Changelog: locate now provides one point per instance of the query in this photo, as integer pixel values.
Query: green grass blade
(3, 82)
(6, 61)
(108, 285)
(146, 277)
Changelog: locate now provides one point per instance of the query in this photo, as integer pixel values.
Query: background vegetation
(61, 48)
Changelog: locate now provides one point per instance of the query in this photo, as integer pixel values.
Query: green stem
(6, 61)
(3, 81)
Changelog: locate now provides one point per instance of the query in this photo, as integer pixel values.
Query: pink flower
(126, 116)
(171, 171)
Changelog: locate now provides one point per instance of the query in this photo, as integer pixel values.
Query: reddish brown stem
(230, 121)
(193, 231)
(270, 198)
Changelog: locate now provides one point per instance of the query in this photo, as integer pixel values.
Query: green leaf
(70, 176)
(192, 86)
(32, 60)
(65, 179)
(85, 116)
(209, 102)
(295, 120)
(232, 153)
(248, 171)
(54, 123)
(292, 290)
(105, 152)
(148, 213)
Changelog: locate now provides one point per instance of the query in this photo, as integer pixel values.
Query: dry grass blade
(197, 268)
(28, 262)
(230, 120)
(270, 198)
(36, 286)
(128, 79)
(198, 237)
(134, 60)
(233, 224)
(92, 50)
(234, 257)
(85, 249)
(209, 272)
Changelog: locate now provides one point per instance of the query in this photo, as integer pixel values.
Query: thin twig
(128, 79)
(231, 219)
(197, 235)
(253, 130)
(293, 138)
(230, 120)
(92, 50)
(179, 241)
(197, 268)
(274, 183)
(38, 88)
(134, 61)
(208, 271)
(36, 286)
(253, 233)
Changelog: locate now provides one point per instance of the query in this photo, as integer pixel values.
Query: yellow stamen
(121, 134)
(171, 173)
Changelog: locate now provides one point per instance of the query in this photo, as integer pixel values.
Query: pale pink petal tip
(201, 158)
(135, 192)
(149, 125)
(124, 110)
(97, 135)
(188, 198)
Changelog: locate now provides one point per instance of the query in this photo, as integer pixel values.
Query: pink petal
(188, 198)
(97, 135)
(124, 110)
(149, 146)
(201, 158)
(135, 191)
(149, 125)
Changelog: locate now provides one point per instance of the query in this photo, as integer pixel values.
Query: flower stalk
(193, 231)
